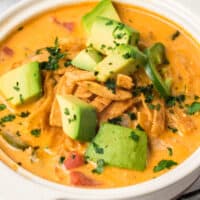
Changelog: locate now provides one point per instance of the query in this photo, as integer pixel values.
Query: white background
(8, 190)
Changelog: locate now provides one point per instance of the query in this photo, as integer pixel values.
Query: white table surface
(193, 5)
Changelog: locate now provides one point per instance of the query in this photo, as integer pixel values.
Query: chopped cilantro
(21, 98)
(98, 149)
(193, 108)
(173, 129)
(36, 132)
(132, 116)
(62, 159)
(24, 114)
(55, 55)
(67, 63)
(116, 120)
(147, 91)
(196, 97)
(109, 23)
(66, 111)
(164, 164)
(134, 136)
(127, 55)
(111, 85)
(100, 167)
(175, 35)
(170, 151)
(16, 87)
(139, 127)
(20, 28)
(2, 107)
(7, 118)
(154, 107)
(96, 73)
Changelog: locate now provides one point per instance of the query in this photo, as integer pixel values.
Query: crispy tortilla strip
(100, 103)
(55, 115)
(181, 121)
(103, 91)
(124, 81)
(116, 109)
(158, 122)
(82, 93)
(80, 75)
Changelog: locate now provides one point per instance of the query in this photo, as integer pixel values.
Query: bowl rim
(168, 9)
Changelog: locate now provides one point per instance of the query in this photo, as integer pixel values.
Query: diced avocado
(87, 59)
(22, 84)
(79, 119)
(125, 59)
(120, 147)
(105, 9)
(106, 34)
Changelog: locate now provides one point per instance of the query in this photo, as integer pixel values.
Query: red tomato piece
(80, 179)
(74, 160)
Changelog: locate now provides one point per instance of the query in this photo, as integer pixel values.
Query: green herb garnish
(7, 118)
(98, 149)
(55, 55)
(175, 35)
(164, 164)
(16, 87)
(170, 151)
(2, 107)
(100, 167)
(62, 159)
(134, 136)
(111, 85)
(154, 107)
(173, 129)
(116, 120)
(24, 114)
(133, 116)
(66, 111)
(36, 132)
(193, 108)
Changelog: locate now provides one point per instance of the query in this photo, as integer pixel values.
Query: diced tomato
(8, 51)
(74, 160)
(80, 179)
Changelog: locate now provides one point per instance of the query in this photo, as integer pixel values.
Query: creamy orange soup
(176, 134)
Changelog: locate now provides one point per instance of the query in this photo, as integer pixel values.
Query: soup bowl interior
(163, 187)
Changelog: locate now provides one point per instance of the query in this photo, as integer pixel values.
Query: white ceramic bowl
(165, 187)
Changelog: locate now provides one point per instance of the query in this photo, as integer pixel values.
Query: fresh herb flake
(175, 35)
(36, 132)
(2, 107)
(134, 136)
(100, 167)
(170, 151)
(98, 149)
(66, 111)
(193, 108)
(173, 129)
(62, 159)
(111, 85)
(164, 164)
(24, 114)
(116, 120)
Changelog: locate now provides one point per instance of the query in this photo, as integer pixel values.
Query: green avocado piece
(104, 8)
(79, 119)
(125, 59)
(106, 34)
(120, 147)
(22, 84)
(87, 59)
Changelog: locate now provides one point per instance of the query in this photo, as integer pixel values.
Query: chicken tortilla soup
(99, 95)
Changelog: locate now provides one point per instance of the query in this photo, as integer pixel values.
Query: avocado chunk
(125, 59)
(79, 119)
(87, 59)
(22, 84)
(104, 8)
(120, 147)
(106, 34)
